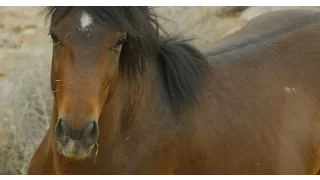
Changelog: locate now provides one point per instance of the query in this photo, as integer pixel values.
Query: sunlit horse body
(129, 101)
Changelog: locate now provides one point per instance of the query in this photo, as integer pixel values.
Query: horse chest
(69, 168)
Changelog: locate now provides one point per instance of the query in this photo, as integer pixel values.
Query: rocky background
(25, 54)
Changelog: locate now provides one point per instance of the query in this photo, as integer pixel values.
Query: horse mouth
(76, 151)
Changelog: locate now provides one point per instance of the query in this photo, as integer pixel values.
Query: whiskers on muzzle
(76, 151)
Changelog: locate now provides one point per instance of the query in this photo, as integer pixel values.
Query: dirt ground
(25, 54)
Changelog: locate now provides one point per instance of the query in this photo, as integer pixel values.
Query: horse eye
(55, 39)
(119, 43)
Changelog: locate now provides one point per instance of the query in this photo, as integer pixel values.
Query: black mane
(184, 65)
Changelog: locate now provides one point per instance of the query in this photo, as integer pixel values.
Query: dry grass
(25, 110)
(24, 86)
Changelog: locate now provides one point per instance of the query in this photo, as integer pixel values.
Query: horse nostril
(62, 130)
(91, 132)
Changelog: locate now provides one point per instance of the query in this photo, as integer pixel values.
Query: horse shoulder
(42, 160)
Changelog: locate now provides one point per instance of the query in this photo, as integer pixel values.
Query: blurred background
(25, 55)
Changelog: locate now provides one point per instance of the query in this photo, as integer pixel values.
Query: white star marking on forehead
(85, 20)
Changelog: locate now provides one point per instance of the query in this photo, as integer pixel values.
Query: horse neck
(135, 106)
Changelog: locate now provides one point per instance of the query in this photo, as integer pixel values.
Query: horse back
(269, 26)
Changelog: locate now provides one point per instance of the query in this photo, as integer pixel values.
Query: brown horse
(130, 100)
